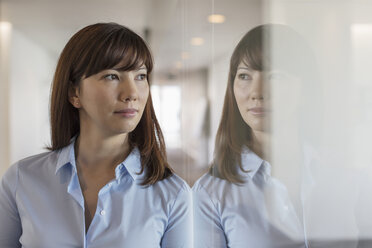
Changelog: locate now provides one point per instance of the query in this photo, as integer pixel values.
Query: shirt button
(121, 167)
(103, 212)
(110, 184)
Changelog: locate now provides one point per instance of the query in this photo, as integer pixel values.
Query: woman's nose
(128, 90)
(257, 89)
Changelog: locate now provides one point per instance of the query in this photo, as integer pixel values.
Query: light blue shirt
(41, 205)
(257, 213)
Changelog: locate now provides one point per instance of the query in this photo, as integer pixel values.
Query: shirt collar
(132, 164)
(66, 156)
(252, 163)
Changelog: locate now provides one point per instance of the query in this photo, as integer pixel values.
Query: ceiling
(171, 25)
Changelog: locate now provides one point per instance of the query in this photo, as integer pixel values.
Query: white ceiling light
(216, 18)
(197, 41)
(361, 28)
(5, 26)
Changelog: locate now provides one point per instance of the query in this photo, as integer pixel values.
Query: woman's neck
(261, 144)
(94, 150)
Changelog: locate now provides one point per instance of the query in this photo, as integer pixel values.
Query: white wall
(26, 74)
(31, 72)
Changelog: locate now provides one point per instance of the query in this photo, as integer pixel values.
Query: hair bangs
(135, 57)
(253, 59)
(120, 50)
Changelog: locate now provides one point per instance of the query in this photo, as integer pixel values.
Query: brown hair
(233, 133)
(95, 48)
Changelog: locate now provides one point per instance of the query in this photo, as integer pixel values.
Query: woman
(238, 203)
(106, 181)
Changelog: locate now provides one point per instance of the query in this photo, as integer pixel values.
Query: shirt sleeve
(208, 232)
(178, 233)
(10, 224)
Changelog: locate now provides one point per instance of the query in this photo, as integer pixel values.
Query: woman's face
(112, 101)
(252, 97)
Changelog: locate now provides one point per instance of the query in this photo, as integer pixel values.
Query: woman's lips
(128, 112)
(258, 111)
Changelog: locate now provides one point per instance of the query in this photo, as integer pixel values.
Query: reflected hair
(254, 50)
(233, 133)
(95, 48)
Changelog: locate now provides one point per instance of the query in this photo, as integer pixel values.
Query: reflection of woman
(238, 203)
(106, 182)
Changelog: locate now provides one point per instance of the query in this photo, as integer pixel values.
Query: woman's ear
(73, 95)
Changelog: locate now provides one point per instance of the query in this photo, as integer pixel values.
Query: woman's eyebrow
(122, 70)
(244, 68)
(112, 69)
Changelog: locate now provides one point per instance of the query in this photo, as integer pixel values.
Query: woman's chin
(260, 125)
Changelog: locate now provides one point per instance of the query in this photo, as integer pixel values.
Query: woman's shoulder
(173, 184)
(36, 164)
(250, 165)
(212, 185)
(36, 160)
(171, 190)
(39, 158)
(30, 165)
(204, 182)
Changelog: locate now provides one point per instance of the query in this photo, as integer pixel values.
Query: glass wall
(290, 165)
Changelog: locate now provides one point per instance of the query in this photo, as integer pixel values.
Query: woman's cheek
(241, 96)
(144, 93)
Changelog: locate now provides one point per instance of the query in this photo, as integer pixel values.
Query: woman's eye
(141, 77)
(111, 77)
(244, 76)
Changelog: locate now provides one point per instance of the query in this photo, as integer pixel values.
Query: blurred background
(192, 41)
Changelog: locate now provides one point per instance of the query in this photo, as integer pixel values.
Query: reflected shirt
(257, 213)
(42, 205)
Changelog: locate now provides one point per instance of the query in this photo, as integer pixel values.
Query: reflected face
(112, 101)
(252, 97)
